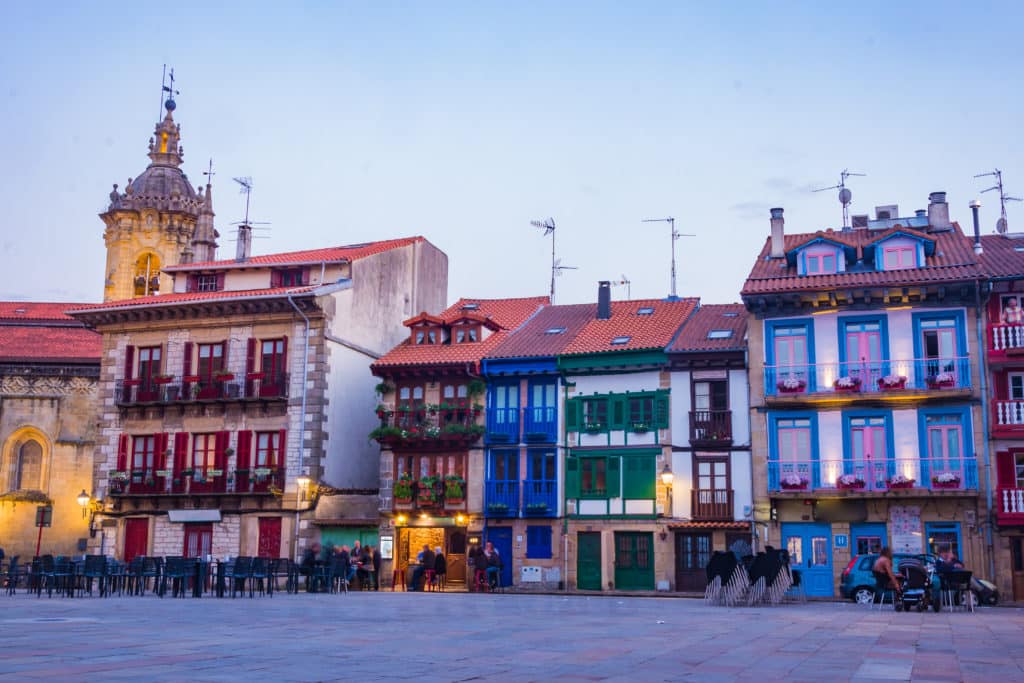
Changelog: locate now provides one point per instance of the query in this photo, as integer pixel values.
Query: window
(710, 396)
(646, 310)
(149, 363)
(869, 544)
(640, 477)
(538, 542)
(272, 360)
(143, 455)
(900, 258)
(466, 334)
(641, 410)
(206, 283)
(541, 466)
(30, 466)
(211, 361)
(1018, 464)
(1015, 386)
(426, 336)
(1010, 310)
(793, 440)
(944, 441)
(819, 263)
(719, 334)
(268, 449)
(198, 539)
(790, 350)
(943, 533)
(938, 345)
(452, 392)
(504, 466)
(621, 340)
(288, 277)
(595, 413)
(204, 453)
(863, 348)
(593, 477)
(471, 307)
(868, 441)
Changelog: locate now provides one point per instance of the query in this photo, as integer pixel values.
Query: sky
(462, 122)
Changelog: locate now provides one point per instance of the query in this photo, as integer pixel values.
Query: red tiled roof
(508, 313)
(654, 331)
(32, 331)
(188, 297)
(953, 261)
(694, 337)
(532, 339)
(349, 252)
(1000, 257)
(36, 310)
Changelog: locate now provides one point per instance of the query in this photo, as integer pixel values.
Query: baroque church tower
(158, 221)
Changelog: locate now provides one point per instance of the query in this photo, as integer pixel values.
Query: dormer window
(900, 257)
(207, 283)
(471, 307)
(719, 334)
(554, 330)
(289, 277)
(819, 263)
(425, 336)
(467, 334)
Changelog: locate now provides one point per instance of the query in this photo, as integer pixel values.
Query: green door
(634, 560)
(588, 561)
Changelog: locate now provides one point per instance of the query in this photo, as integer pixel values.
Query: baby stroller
(915, 587)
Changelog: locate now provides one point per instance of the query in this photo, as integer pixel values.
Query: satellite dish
(845, 196)
(1001, 226)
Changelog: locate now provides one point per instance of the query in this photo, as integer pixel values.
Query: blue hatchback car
(858, 583)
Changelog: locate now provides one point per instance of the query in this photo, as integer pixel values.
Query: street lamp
(301, 482)
(83, 500)
(86, 502)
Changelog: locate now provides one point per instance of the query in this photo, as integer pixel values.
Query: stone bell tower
(152, 224)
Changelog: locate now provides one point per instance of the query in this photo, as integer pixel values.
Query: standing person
(376, 559)
(426, 563)
(1013, 314)
(344, 562)
(365, 561)
(471, 567)
(493, 564)
(440, 566)
(307, 567)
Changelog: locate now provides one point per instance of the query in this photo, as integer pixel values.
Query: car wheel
(863, 595)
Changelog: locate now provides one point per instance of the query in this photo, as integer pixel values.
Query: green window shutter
(661, 410)
(572, 477)
(639, 481)
(572, 419)
(618, 412)
(630, 479)
(614, 476)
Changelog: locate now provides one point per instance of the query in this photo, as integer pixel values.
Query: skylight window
(1018, 248)
(470, 307)
(646, 310)
(719, 334)
(730, 314)
(621, 340)
(554, 330)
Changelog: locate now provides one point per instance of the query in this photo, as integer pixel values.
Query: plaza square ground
(469, 637)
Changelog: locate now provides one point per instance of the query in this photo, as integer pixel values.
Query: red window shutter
(1006, 470)
(220, 444)
(180, 452)
(224, 355)
(244, 450)
(275, 278)
(192, 283)
(284, 353)
(161, 442)
(282, 448)
(305, 276)
(250, 355)
(129, 361)
(220, 282)
(186, 366)
(122, 452)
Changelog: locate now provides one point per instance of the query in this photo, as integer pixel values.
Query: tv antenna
(548, 226)
(623, 281)
(675, 235)
(845, 196)
(169, 89)
(1001, 225)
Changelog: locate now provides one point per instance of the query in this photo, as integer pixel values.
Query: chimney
(604, 300)
(244, 245)
(778, 240)
(938, 212)
(975, 205)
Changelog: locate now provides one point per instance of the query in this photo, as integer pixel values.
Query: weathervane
(1001, 225)
(169, 89)
(209, 180)
(845, 196)
(675, 235)
(548, 227)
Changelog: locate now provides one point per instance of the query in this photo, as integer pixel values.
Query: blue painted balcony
(501, 498)
(540, 498)
(541, 424)
(503, 425)
(873, 476)
(868, 377)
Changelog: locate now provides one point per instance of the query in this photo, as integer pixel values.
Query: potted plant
(593, 427)
(892, 382)
(537, 508)
(794, 482)
(900, 481)
(402, 490)
(791, 385)
(382, 411)
(223, 376)
(941, 380)
(385, 433)
(427, 494)
(497, 508)
(848, 384)
(640, 427)
(384, 388)
(187, 472)
(850, 481)
(150, 479)
(476, 387)
(163, 379)
(454, 489)
(946, 480)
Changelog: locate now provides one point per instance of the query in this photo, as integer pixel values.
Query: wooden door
(455, 554)
(588, 561)
(634, 560)
(198, 540)
(136, 537)
(1017, 550)
(270, 537)
(693, 552)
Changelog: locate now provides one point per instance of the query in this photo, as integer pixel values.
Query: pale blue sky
(462, 122)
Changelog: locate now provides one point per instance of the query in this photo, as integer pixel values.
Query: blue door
(501, 537)
(810, 551)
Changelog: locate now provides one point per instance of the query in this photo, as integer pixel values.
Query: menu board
(905, 529)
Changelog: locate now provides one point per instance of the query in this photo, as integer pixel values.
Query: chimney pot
(243, 248)
(604, 300)
(778, 233)
(938, 212)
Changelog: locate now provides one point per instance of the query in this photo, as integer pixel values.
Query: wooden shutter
(160, 445)
(192, 283)
(220, 444)
(186, 367)
(617, 412)
(282, 451)
(572, 477)
(275, 278)
(122, 452)
(572, 415)
(661, 410)
(224, 354)
(284, 352)
(220, 282)
(180, 453)
(129, 361)
(305, 276)
(613, 477)
(250, 355)
(639, 477)
(244, 450)
(1006, 470)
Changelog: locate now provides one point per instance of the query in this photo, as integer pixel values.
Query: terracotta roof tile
(508, 313)
(953, 261)
(189, 297)
(1000, 257)
(349, 252)
(654, 331)
(533, 339)
(713, 317)
(32, 331)
(36, 310)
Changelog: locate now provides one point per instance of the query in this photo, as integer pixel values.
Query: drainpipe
(565, 501)
(302, 416)
(750, 438)
(985, 414)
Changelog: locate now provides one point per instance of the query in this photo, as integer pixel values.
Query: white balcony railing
(1007, 337)
(868, 376)
(1009, 413)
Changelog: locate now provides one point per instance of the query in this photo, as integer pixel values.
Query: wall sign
(842, 540)
(905, 527)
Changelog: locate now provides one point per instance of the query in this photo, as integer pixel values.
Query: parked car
(858, 583)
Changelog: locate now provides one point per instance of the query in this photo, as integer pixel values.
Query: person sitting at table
(426, 562)
(343, 563)
(947, 561)
(307, 567)
(376, 559)
(493, 564)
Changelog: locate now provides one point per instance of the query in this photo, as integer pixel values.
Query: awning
(737, 526)
(181, 516)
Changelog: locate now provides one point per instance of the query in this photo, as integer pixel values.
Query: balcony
(1007, 418)
(853, 379)
(873, 476)
(501, 498)
(540, 498)
(260, 480)
(1010, 506)
(503, 425)
(541, 425)
(427, 428)
(192, 389)
(710, 428)
(1006, 341)
(711, 505)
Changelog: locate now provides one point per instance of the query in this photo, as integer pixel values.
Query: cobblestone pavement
(467, 637)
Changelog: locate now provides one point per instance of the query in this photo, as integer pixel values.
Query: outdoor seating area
(765, 578)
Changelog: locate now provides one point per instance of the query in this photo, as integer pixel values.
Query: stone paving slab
(362, 637)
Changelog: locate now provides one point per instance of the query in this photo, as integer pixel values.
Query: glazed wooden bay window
(589, 476)
(637, 412)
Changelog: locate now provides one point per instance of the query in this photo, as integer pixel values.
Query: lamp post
(301, 482)
(666, 478)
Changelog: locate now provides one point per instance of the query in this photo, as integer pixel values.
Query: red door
(136, 537)
(198, 540)
(270, 537)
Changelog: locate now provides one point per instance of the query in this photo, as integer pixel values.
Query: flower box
(191, 378)
(791, 386)
(794, 487)
(593, 427)
(640, 428)
(794, 482)
(163, 379)
(847, 384)
(849, 482)
(901, 483)
(117, 475)
(946, 480)
(262, 471)
(224, 376)
(163, 473)
(215, 473)
(537, 508)
(892, 383)
(941, 380)
(497, 508)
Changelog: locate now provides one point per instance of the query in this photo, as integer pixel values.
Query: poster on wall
(905, 527)
(386, 547)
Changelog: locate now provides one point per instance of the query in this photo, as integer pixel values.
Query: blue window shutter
(538, 542)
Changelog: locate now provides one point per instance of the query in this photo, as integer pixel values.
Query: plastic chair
(260, 574)
(95, 568)
(240, 574)
(882, 590)
(956, 584)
